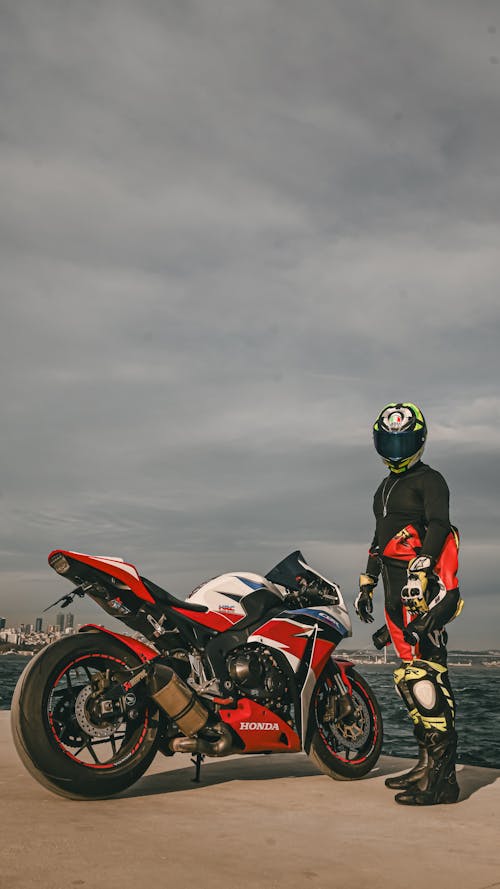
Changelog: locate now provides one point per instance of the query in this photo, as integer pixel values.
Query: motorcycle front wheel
(345, 749)
(57, 735)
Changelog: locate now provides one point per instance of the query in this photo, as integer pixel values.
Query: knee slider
(429, 688)
(424, 692)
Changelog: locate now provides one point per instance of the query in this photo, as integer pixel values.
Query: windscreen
(294, 570)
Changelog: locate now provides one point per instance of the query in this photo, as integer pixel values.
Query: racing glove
(419, 627)
(363, 604)
(414, 595)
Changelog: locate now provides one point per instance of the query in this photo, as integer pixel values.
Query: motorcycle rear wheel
(53, 729)
(345, 750)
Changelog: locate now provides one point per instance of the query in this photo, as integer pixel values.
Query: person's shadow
(261, 767)
(470, 778)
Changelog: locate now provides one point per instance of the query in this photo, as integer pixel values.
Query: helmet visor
(398, 445)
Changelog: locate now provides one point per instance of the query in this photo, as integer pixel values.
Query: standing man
(416, 550)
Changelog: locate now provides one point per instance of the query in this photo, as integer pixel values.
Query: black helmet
(399, 435)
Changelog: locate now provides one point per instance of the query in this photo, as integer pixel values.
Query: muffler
(221, 747)
(178, 700)
(182, 704)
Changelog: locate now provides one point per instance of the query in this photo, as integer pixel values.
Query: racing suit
(412, 517)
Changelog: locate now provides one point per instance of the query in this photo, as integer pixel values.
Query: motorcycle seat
(166, 598)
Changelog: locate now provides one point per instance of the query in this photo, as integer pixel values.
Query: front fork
(341, 706)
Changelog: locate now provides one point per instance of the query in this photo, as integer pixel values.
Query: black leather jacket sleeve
(436, 497)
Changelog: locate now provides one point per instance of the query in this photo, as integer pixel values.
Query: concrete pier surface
(257, 821)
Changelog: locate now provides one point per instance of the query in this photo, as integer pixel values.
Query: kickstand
(197, 761)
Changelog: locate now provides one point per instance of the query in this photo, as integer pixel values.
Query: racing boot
(438, 784)
(407, 779)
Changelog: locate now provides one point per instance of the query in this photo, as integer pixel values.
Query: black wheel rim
(94, 746)
(350, 742)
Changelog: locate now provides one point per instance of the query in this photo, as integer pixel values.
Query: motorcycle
(244, 665)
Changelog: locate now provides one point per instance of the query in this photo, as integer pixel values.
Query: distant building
(69, 621)
(38, 625)
(60, 621)
(3, 621)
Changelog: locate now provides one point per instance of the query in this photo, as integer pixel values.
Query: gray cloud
(229, 234)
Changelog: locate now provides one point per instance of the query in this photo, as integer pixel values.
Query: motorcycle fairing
(259, 729)
(290, 630)
(305, 651)
(210, 619)
(325, 615)
(116, 568)
(240, 598)
(145, 652)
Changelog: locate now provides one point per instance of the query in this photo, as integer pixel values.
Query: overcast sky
(230, 232)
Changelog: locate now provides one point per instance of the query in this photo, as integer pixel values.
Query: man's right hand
(363, 603)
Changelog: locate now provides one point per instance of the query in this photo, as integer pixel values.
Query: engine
(256, 674)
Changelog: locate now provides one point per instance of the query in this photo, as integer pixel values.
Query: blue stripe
(320, 615)
(251, 583)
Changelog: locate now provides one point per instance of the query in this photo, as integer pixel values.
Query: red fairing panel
(145, 652)
(344, 666)
(260, 729)
(123, 571)
(291, 637)
(322, 651)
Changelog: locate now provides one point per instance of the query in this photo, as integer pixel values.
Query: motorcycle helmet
(399, 435)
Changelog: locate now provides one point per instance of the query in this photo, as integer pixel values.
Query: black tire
(48, 734)
(346, 751)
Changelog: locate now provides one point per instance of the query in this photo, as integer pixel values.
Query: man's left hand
(421, 566)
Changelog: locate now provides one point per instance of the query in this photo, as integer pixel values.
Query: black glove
(381, 638)
(363, 604)
(419, 627)
(411, 635)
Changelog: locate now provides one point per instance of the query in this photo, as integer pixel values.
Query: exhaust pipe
(177, 700)
(222, 747)
(181, 703)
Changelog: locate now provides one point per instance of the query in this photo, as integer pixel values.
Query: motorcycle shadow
(243, 768)
(251, 768)
(268, 767)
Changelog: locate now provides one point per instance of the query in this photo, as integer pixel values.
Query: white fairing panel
(226, 593)
(338, 607)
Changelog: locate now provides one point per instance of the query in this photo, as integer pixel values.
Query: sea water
(477, 693)
(477, 696)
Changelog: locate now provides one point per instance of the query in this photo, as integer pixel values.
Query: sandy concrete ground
(259, 821)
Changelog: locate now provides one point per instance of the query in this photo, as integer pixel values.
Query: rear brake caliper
(111, 698)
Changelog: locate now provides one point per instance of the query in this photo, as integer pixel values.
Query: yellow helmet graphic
(399, 435)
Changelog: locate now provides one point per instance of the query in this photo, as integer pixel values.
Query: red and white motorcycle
(244, 665)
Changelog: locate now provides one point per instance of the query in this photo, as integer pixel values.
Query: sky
(230, 233)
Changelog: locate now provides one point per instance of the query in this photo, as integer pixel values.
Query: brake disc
(81, 713)
(355, 734)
